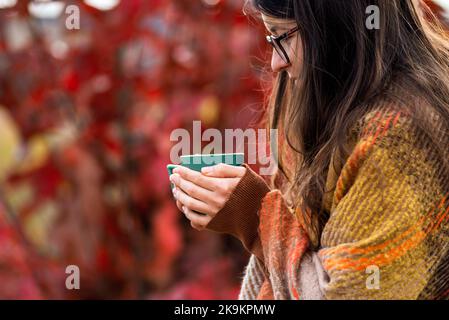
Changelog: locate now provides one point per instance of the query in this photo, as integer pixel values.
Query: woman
(359, 208)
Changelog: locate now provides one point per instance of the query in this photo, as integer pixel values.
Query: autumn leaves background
(85, 120)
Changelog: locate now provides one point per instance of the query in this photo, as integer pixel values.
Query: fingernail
(206, 170)
(183, 209)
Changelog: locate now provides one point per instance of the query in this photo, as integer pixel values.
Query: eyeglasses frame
(276, 40)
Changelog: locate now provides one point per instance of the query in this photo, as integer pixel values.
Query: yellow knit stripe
(350, 171)
(396, 250)
(378, 260)
(384, 122)
(347, 249)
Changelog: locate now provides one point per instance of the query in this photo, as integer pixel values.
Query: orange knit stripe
(339, 190)
(385, 244)
(379, 260)
(440, 206)
(382, 133)
(346, 175)
(440, 219)
(367, 250)
(358, 154)
(387, 126)
(368, 130)
(294, 292)
(295, 257)
(266, 291)
(395, 121)
(393, 124)
(394, 253)
(371, 122)
(377, 134)
(370, 249)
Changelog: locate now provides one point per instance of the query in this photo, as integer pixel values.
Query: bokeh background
(85, 123)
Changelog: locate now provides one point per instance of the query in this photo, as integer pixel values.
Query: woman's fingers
(210, 178)
(192, 203)
(197, 221)
(193, 190)
(178, 204)
(195, 177)
(201, 197)
(224, 170)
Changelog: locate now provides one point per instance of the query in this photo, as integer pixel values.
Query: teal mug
(198, 161)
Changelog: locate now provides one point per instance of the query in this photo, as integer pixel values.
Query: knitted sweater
(387, 235)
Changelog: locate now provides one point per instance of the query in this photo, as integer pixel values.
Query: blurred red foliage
(91, 115)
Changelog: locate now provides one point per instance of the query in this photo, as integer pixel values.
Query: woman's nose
(277, 63)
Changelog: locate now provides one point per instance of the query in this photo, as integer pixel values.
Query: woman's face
(292, 46)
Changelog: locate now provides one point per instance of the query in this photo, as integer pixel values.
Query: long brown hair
(345, 67)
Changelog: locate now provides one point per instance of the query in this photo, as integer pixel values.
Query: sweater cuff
(240, 215)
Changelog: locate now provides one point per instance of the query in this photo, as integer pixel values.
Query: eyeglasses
(276, 42)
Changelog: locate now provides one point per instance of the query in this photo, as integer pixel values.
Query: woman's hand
(201, 195)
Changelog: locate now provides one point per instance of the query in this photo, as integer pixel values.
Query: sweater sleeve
(240, 215)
